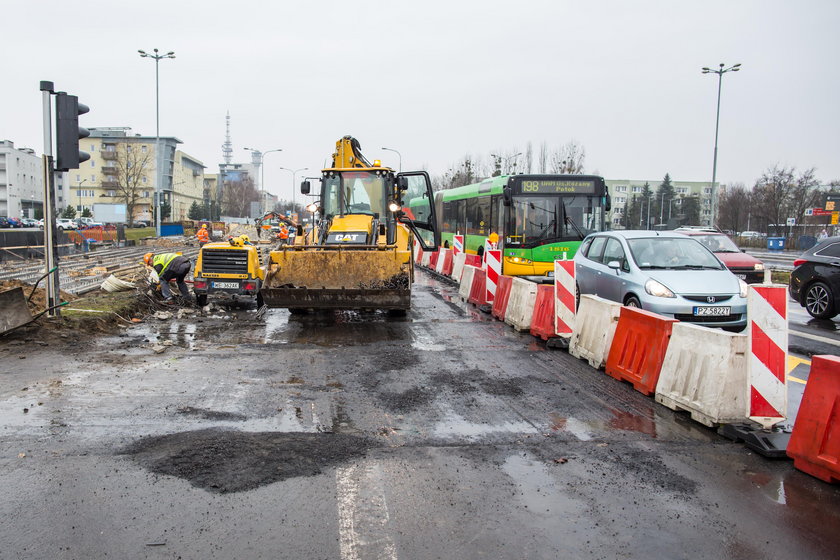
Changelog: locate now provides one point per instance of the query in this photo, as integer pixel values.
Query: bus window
(478, 216)
(498, 215)
(451, 219)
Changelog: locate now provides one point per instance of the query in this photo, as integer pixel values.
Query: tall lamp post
(158, 167)
(261, 157)
(398, 154)
(720, 72)
(294, 173)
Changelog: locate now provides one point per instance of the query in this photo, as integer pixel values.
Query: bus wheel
(480, 251)
(446, 244)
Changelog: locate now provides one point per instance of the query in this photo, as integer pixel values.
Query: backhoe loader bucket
(339, 278)
(14, 312)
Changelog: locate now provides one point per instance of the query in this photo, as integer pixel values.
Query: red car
(744, 266)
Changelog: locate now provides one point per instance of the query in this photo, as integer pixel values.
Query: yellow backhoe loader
(358, 255)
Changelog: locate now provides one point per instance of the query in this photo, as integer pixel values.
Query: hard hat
(203, 226)
(147, 258)
(245, 238)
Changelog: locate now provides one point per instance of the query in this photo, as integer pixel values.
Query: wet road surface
(442, 434)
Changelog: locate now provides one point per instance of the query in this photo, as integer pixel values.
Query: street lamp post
(720, 72)
(158, 167)
(261, 156)
(294, 176)
(399, 154)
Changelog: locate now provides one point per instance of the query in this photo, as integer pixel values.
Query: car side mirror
(304, 187)
(402, 183)
(615, 265)
(507, 197)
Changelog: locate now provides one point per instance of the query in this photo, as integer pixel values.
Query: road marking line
(363, 514)
(796, 379)
(793, 362)
(831, 341)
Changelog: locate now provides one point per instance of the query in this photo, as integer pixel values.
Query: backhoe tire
(201, 300)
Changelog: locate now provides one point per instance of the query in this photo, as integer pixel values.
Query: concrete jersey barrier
(593, 335)
(466, 282)
(705, 373)
(520, 309)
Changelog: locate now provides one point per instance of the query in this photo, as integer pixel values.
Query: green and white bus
(538, 218)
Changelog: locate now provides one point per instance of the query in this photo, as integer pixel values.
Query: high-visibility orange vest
(203, 235)
(284, 233)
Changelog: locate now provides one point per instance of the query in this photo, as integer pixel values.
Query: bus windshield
(364, 192)
(536, 220)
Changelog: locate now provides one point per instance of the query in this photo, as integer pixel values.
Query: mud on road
(442, 434)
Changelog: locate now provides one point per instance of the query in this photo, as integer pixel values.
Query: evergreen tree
(195, 212)
(86, 213)
(647, 213)
(69, 213)
(632, 213)
(663, 207)
(165, 211)
(689, 214)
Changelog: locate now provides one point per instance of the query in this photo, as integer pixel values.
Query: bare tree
(542, 158)
(133, 167)
(528, 164)
(780, 194)
(734, 206)
(238, 196)
(568, 159)
(804, 194)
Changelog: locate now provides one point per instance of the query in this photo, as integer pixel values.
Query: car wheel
(633, 301)
(819, 301)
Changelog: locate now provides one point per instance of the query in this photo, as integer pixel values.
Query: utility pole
(50, 244)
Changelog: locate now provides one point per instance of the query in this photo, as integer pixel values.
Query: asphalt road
(439, 435)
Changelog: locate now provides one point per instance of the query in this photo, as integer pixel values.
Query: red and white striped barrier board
(457, 245)
(493, 263)
(768, 344)
(564, 298)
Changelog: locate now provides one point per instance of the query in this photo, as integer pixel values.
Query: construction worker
(203, 235)
(283, 234)
(170, 266)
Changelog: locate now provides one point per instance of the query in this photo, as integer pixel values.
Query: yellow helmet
(203, 226)
(147, 258)
(245, 238)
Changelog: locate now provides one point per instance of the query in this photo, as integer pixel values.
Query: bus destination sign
(558, 186)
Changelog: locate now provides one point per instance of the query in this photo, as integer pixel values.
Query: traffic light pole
(50, 245)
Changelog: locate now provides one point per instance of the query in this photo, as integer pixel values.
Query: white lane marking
(363, 519)
(831, 341)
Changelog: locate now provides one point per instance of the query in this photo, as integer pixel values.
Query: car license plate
(742, 276)
(226, 285)
(711, 311)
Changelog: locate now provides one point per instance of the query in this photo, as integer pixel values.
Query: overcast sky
(440, 79)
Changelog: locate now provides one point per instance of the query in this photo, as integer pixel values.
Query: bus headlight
(759, 266)
(519, 260)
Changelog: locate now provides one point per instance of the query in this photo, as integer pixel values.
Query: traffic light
(68, 132)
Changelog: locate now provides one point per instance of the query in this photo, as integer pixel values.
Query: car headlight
(759, 266)
(744, 287)
(654, 288)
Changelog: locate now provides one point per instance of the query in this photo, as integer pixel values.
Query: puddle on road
(455, 425)
(224, 461)
(538, 489)
(621, 420)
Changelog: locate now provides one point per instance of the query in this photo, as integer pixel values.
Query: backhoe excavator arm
(348, 154)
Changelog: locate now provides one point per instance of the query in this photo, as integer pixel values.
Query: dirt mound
(243, 229)
(39, 299)
(225, 461)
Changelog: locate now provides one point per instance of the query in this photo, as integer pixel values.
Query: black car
(815, 280)
(4, 222)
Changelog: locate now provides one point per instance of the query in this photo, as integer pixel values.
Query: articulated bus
(539, 218)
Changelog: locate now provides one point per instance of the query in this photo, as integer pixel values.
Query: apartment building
(119, 157)
(623, 190)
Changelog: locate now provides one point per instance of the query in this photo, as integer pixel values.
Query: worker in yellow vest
(170, 266)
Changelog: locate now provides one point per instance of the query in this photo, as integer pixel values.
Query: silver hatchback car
(664, 272)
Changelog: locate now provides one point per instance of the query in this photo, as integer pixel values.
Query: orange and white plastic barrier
(441, 259)
(815, 442)
(768, 344)
(638, 348)
(542, 322)
(458, 262)
(466, 282)
(592, 338)
(564, 298)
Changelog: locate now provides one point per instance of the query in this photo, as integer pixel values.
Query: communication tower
(227, 147)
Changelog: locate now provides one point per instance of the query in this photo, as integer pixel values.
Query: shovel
(14, 311)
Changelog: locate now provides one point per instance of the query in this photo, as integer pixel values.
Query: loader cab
(361, 204)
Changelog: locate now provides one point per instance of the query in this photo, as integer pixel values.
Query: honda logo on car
(711, 299)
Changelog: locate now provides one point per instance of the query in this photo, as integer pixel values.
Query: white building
(22, 184)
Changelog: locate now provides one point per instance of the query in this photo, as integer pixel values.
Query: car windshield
(717, 243)
(672, 252)
(364, 193)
